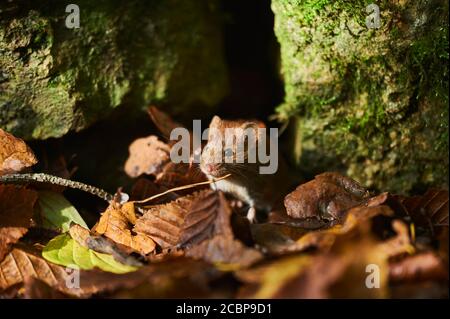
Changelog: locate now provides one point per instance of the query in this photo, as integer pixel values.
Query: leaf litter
(177, 237)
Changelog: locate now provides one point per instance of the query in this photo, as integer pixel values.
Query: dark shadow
(252, 55)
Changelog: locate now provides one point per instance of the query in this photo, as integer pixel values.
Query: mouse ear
(215, 121)
(254, 125)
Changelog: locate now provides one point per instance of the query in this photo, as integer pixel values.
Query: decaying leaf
(15, 155)
(57, 212)
(144, 188)
(117, 222)
(163, 121)
(327, 197)
(37, 289)
(280, 239)
(148, 155)
(200, 224)
(430, 209)
(420, 267)
(175, 278)
(180, 174)
(341, 271)
(187, 220)
(24, 262)
(16, 211)
(276, 239)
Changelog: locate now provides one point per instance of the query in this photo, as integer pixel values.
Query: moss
(372, 103)
(123, 55)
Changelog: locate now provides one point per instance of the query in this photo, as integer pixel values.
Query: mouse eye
(228, 152)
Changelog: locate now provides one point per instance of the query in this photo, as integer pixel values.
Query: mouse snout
(211, 168)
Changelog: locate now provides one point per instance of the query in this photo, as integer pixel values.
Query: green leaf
(65, 251)
(81, 256)
(58, 212)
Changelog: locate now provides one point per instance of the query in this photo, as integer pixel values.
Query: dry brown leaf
(24, 262)
(199, 224)
(276, 239)
(175, 278)
(327, 197)
(225, 253)
(37, 289)
(148, 155)
(339, 272)
(281, 239)
(163, 121)
(16, 211)
(144, 188)
(180, 174)
(116, 223)
(430, 209)
(15, 155)
(186, 220)
(420, 267)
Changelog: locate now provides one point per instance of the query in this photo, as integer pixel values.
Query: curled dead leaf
(148, 155)
(327, 197)
(15, 155)
(284, 238)
(117, 222)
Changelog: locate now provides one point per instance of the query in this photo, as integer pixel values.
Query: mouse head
(229, 145)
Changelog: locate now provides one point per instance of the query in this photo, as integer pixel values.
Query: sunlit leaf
(65, 251)
(57, 212)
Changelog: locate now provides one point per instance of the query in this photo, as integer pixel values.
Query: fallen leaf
(16, 211)
(276, 239)
(64, 251)
(176, 278)
(15, 155)
(430, 209)
(148, 155)
(327, 197)
(225, 253)
(187, 220)
(24, 262)
(57, 213)
(420, 267)
(180, 174)
(38, 289)
(117, 222)
(144, 188)
(163, 121)
(284, 238)
(340, 272)
(200, 225)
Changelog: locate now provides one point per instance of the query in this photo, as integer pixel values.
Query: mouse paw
(251, 215)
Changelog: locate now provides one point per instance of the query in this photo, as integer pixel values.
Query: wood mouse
(259, 191)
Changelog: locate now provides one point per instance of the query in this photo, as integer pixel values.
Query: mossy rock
(125, 54)
(370, 102)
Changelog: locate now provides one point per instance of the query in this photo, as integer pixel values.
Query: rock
(129, 54)
(372, 102)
